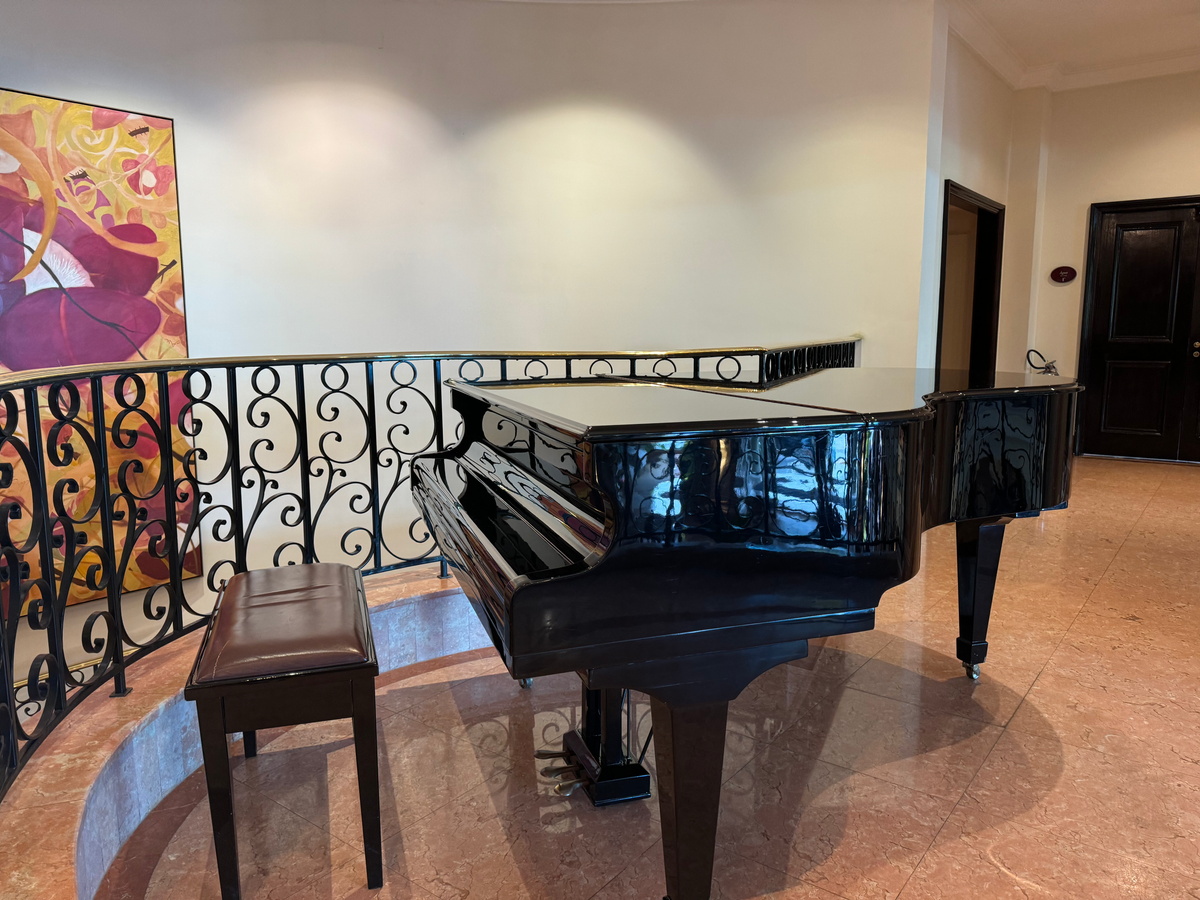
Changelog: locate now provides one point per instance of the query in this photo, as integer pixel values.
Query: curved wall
(387, 175)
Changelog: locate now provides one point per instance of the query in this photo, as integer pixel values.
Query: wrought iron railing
(129, 491)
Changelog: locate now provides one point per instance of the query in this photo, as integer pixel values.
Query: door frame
(985, 328)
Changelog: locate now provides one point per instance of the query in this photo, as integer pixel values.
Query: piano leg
(689, 746)
(689, 720)
(979, 544)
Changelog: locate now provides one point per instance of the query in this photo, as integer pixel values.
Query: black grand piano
(681, 541)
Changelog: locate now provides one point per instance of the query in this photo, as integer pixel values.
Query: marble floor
(872, 769)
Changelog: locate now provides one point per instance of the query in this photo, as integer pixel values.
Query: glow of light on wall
(359, 153)
(589, 203)
(845, 195)
(582, 223)
(349, 195)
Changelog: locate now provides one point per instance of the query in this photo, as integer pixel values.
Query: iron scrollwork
(129, 492)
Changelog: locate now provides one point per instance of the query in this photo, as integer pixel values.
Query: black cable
(1045, 368)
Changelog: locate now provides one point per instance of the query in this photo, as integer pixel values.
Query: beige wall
(1129, 141)
(400, 174)
(977, 124)
(1023, 220)
(983, 127)
(396, 174)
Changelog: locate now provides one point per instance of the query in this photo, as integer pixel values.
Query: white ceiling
(1063, 44)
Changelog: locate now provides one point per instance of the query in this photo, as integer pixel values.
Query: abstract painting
(91, 271)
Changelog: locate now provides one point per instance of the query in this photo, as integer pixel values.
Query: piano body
(681, 541)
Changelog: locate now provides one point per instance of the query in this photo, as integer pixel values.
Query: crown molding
(981, 37)
(1129, 71)
(1049, 77)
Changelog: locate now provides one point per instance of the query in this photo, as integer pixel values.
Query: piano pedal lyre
(599, 754)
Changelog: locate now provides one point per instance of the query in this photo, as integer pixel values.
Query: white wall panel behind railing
(380, 175)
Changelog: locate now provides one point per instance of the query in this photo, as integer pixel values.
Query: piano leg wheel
(525, 683)
(972, 671)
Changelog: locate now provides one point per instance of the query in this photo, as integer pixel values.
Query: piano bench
(286, 646)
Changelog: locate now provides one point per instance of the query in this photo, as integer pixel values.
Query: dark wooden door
(1137, 355)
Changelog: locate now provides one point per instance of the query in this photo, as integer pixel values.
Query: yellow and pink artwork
(90, 272)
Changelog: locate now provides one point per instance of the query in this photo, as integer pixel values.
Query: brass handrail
(32, 377)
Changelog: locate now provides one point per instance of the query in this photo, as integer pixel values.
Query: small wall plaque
(1063, 275)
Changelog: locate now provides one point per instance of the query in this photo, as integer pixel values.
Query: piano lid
(612, 408)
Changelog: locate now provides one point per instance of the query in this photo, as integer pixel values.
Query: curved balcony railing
(129, 491)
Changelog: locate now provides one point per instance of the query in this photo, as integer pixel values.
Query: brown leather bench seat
(274, 622)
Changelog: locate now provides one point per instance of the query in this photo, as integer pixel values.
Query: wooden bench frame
(278, 701)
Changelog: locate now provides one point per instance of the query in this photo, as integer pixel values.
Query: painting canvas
(91, 272)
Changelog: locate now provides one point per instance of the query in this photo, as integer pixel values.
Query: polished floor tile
(512, 837)
(1157, 725)
(1108, 802)
(420, 770)
(914, 672)
(849, 833)
(895, 741)
(871, 769)
(734, 878)
(492, 713)
(279, 853)
(976, 855)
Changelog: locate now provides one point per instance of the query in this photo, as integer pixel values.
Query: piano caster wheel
(525, 683)
(972, 671)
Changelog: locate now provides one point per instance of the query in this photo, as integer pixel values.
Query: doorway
(969, 302)
(1140, 340)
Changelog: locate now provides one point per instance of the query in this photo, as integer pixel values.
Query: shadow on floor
(814, 770)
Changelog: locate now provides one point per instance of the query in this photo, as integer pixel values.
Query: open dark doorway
(969, 302)
(1139, 353)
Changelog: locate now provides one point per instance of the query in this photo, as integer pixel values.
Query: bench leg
(250, 744)
(215, 748)
(366, 754)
